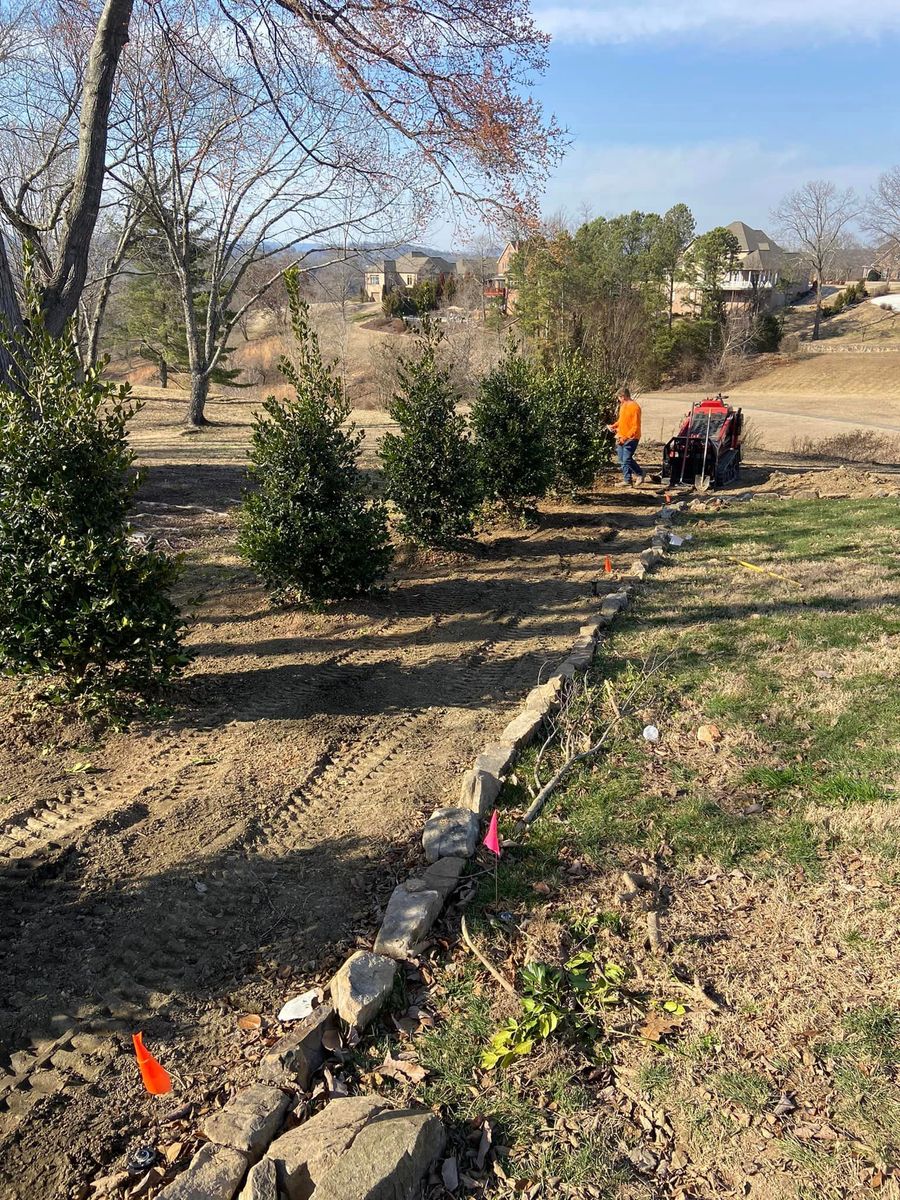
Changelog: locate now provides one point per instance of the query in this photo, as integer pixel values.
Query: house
(404, 272)
(495, 277)
(763, 275)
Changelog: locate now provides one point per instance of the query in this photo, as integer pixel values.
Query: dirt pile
(834, 483)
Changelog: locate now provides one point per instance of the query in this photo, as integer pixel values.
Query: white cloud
(622, 21)
(721, 181)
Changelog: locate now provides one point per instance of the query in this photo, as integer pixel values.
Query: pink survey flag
(491, 840)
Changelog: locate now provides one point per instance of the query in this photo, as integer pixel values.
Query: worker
(627, 428)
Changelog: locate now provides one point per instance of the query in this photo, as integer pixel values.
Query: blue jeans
(626, 450)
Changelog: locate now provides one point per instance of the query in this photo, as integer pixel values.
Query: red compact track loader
(706, 451)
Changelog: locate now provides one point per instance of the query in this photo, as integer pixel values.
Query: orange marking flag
(491, 839)
(156, 1078)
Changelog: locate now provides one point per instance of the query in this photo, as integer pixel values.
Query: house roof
(758, 250)
(413, 263)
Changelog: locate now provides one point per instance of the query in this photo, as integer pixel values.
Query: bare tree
(882, 215)
(54, 200)
(229, 188)
(442, 86)
(814, 221)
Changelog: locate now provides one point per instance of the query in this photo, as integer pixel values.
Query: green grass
(794, 742)
(747, 1088)
(811, 756)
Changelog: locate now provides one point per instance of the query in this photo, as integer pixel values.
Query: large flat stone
(443, 876)
(262, 1182)
(450, 833)
(410, 913)
(304, 1155)
(361, 986)
(299, 1054)
(613, 603)
(215, 1173)
(497, 759)
(249, 1121)
(545, 697)
(479, 791)
(523, 730)
(387, 1160)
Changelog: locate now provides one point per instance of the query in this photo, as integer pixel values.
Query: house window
(410, 280)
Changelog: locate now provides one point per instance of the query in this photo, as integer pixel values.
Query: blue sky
(723, 104)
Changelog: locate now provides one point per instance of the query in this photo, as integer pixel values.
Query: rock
(215, 1173)
(591, 629)
(450, 833)
(498, 760)
(249, 1121)
(638, 570)
(479, 791)
(388, 1159)
(443, 875)
(361, 986)
(523, 730)
(262, 1182)
(612, 603)
(299, 1054)
(409, 915)
(545, 698)
(303, 1155)
(582, 653)
(565, 671)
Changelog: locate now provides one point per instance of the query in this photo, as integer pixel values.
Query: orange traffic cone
(156, 1078)
(607, 566)
(668, 497)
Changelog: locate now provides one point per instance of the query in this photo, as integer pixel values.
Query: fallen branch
(488, 966)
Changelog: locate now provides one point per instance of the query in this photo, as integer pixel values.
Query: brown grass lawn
(755, 1051)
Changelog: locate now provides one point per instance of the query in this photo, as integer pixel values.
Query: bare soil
(174, 876)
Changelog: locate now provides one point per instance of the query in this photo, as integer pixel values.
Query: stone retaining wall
(360, 1147)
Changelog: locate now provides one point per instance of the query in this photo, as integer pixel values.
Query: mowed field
(813, 397)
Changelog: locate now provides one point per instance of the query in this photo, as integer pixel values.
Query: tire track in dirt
(413, 687)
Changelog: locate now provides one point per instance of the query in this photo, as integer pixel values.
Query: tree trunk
(163, 369)
(818, 317)
(199, 392)
(10, 315)
(63, 289)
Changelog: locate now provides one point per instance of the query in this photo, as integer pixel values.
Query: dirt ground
(177, 875)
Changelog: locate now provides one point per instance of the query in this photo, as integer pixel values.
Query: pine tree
(309, 526)
(151, 309)
(513, 456)
(572, 405)
(430, 468)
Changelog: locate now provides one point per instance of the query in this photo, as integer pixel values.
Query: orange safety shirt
(628, 425)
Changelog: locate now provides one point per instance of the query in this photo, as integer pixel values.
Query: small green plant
(82, 602)
(310, 526)
(575, 409)
(429, 465)
(513, 457)
(574, 999)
